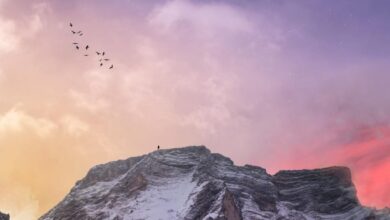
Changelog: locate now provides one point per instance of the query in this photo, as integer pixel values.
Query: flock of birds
(101, 54)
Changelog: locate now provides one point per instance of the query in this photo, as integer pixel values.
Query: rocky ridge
(193, 183)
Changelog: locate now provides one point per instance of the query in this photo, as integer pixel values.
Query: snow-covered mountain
(193, 183)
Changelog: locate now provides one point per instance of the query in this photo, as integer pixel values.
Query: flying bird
(85, 55)
(70, 24)
(73, 32)
(106, 59)
(75, 43)
(77, 47)
(103, 53)
(79, 32)
(97, 53)
(112, 66)
(101, 64)
(87, 47)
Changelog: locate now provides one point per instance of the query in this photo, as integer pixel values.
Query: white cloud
(90, 102)
(91, 97)
(12, 32)
(25, 208)
(74, 126)
(97, 81)
(35, 24)
(8, 39)
(204, 17)
(208, 117)
(15, 121)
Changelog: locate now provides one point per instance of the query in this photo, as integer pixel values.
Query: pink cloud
(367, 153)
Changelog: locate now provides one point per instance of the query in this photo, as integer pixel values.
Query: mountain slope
(4, 216)
(193, 183)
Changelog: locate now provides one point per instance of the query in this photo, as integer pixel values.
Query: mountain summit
(193, 183)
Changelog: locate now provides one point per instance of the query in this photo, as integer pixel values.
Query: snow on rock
(193, 183)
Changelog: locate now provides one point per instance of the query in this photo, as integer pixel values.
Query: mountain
(193, 183)
(4, 216)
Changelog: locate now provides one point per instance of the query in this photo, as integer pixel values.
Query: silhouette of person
(158, 147)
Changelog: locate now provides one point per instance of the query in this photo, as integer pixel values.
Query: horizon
(276, 84)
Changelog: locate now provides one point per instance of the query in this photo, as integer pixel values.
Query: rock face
(4, 216)
(193, 183)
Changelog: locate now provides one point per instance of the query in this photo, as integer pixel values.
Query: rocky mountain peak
(193, 183)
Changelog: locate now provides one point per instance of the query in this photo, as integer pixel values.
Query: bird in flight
(70, 24)
(87, 47)
(97, 53)
(103, 53)
(75, 43)
(77, 47)
(112, 66)
(101, 64)
(80, 33)
(106, 59)
(85, 55)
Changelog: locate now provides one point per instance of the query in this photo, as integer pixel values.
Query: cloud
(208, 17)
(14, 31)
(367, 153)
(214, 113)
(16, 121)
(35, 24)
(25, 207)
(364, 149)
(9, 41)
(74, 126)
(89, 102)
(97, 80)
(34, 149)
(35, 21)
(91, 96)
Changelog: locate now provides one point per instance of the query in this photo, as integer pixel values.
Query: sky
(279, 84)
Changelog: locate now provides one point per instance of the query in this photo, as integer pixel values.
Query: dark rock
(230, 210)
(4, 216)
(326, 191)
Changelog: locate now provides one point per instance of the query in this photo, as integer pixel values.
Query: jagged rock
(326, 191)
(4, 216)
(193, 183)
